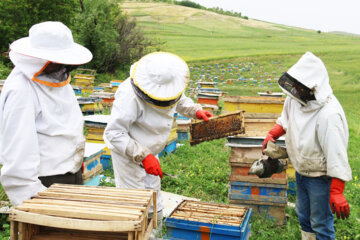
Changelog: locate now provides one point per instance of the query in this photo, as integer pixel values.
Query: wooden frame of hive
(84, 212)
(217, 127)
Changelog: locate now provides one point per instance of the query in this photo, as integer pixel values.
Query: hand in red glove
(201, 114)
(338, 201)
(276, 132)
(152, 165)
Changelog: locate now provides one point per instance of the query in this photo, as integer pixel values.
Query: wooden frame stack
(84, 212)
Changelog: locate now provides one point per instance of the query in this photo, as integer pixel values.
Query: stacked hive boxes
(92, 166)
(267, 196)
(107, 98)
(95, 125)
(115, 85)
(183, 128)
(84, 78)
(208, 96)
(90, 105)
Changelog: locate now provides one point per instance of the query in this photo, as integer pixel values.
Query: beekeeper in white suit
(142, 118)
(41, 124)
(316, 142)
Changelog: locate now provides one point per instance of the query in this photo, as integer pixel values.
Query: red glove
(338, 201)
(201, 114)
(276, 132)
(152, 165)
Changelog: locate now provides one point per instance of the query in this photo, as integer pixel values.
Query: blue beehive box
(106, 161)
(258, 192)
(200, 220)
(169, 148)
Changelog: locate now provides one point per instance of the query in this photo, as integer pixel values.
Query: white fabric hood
(311, 72)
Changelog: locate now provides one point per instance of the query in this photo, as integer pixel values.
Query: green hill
(201, 35)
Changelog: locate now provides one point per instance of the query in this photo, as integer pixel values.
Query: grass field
(204, 39)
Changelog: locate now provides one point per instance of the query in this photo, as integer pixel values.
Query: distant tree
(17, 16)
(188, 3)
(318, 31)
(114, 40)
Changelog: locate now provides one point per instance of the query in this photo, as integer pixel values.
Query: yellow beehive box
(255, 106)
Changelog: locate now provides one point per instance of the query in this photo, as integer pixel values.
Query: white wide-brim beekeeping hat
(52, 41)
(161, 76)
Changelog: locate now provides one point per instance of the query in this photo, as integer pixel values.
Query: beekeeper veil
(160, 78)
(307, 80)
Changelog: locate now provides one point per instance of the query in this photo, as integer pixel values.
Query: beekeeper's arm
(116, 135)
(188, 108)
(280, 127)
(333, 139)
(20, 150)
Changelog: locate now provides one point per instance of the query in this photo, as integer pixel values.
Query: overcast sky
(324, 15)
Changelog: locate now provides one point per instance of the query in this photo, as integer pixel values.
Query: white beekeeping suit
(316, 132)
(142, 118)
(41, 124)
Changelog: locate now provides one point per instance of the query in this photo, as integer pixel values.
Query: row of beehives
(97, 98)
(240, 71)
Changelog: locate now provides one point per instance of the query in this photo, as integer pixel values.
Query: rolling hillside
(201, 35)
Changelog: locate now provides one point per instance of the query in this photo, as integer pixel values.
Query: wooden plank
(93, 197)
(71, 223)
(217, 127)
(154, 198)
(22, 230)
(145, 192)
(73, 212)
(14, 230)
(55, 235)
(133, 196)
(85, 201)
(149, 229)
(82, 204)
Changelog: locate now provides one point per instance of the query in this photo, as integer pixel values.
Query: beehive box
(208, 98)
(255, 106)
(90, 105)
(106, 97)
(273, 211)
(244, 151)
(201, 220)
(217, 127)
(95, 125)
(258, 127)
(83, 212)
(92, 163)
(258, 192)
